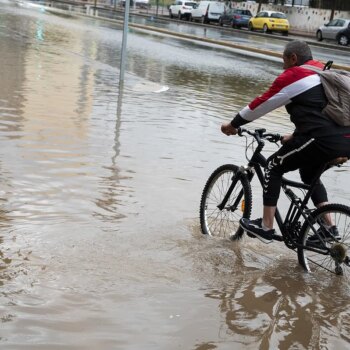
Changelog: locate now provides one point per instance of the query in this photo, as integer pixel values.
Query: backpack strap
(327, 66)
(313, 68)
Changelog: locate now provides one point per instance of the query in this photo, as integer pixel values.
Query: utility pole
(334, 7)
(124, 41)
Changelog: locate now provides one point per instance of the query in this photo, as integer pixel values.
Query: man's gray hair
(301, 49)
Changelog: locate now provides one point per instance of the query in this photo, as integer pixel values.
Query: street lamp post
(124, 41)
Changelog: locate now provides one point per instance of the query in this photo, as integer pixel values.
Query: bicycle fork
(242, 171)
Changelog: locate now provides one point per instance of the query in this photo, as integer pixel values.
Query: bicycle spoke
(224, 222)
(337, 241)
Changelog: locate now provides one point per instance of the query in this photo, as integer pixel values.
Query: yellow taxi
(270, 21)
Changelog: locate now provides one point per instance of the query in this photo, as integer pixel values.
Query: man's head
(296, 53)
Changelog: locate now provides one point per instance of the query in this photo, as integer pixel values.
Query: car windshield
(243, 12)
(278, 15)
(192, 4)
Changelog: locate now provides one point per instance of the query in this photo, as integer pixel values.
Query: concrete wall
(302, 19)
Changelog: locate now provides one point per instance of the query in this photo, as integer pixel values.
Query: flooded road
(100, 245)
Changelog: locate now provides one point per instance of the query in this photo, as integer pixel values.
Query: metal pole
(124, 41)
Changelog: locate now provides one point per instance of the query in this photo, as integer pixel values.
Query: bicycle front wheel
(225, 222)
(331, 246)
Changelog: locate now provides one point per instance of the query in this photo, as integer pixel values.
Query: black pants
(307, 154)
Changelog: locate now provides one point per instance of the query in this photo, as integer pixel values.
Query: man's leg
(268, 216)
(296, 153)
(319, 195)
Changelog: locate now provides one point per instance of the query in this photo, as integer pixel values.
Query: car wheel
(250, 26)
(285, 33)
(319, 35)
(179, 16)
(220, 22)
(203, 20)
(343, 40)
(191, 18)
(234, 24)
(266, 29)
(171, 14)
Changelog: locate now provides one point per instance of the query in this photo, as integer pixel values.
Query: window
(332, 23)
(278, 15)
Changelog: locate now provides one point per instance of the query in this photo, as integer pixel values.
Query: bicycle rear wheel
(333, 253)
(225, 222)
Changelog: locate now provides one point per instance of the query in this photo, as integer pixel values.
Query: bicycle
(227, 197)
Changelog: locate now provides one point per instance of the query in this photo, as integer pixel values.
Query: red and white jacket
(300, 90)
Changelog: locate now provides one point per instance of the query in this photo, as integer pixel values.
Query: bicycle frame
(298, 207)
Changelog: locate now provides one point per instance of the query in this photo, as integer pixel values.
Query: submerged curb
(207, 40)
(219, 42)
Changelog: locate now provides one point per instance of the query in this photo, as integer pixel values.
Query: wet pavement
(100, 188)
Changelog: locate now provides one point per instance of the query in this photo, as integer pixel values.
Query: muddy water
(100, 240)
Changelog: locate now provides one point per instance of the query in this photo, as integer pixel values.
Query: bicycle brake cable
(247, 147)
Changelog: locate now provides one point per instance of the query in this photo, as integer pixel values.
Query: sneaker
(254, 227)
(330, 235)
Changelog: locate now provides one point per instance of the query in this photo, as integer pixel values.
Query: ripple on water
(100, 197)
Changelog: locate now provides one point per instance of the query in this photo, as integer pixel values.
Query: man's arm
(275, 97)
(292, 82)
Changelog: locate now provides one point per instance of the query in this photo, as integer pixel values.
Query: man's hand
(286, 138)
(228, 129)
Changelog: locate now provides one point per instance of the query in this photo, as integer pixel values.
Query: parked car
(330, 30)
(343, 37)
(131, 4)
(143, 4)
(270, 21)
(236, 18)
(208, 11)
(181, 9)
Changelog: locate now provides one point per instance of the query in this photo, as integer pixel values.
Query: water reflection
(266, 300)
(111, 190)
(282, 308)
(101, 187)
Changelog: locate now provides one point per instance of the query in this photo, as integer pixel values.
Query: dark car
(237, 18)
(343, 37)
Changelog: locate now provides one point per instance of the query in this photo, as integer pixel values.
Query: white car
(143, 4)
(181, 9)
(208, 11)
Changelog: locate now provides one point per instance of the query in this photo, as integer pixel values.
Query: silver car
(331, 29)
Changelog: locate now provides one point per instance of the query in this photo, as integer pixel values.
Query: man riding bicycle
(316, 140)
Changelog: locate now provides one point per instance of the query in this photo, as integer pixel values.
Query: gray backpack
(336, 84)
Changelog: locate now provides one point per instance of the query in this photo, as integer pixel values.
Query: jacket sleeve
(292, 82)
(273, 98)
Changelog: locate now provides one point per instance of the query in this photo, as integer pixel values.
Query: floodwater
(100, 245)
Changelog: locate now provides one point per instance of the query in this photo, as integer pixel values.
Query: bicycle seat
(338, 161)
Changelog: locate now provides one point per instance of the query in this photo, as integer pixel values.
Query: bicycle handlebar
(260, 134)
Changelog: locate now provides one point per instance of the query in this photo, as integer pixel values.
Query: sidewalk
(163, 13)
